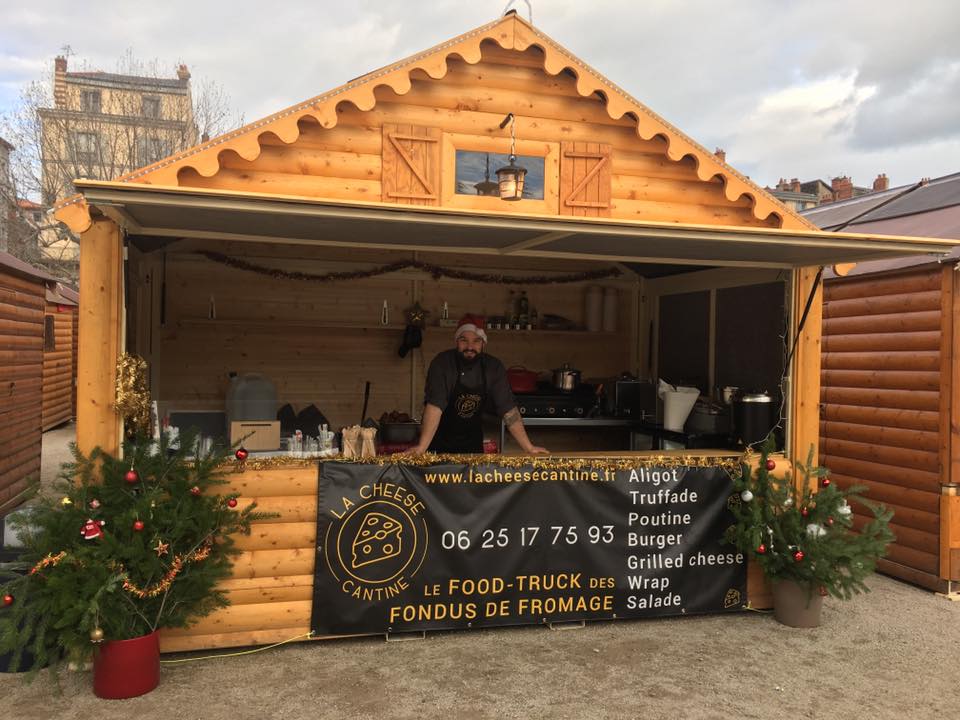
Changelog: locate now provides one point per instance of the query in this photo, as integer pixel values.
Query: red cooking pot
(521, 379)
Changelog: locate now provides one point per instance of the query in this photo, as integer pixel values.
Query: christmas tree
(805, 533)
(123, 547)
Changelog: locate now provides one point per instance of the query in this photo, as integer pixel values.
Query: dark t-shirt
(442, 376)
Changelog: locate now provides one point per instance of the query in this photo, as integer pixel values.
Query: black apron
(461, 425)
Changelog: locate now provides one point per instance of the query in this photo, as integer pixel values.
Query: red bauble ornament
(830, 521)
(804, 512)
(761, 549)
(138, 525)
(825, 482)
(195, 491)
(241, 454)
(7, 600)
(798, 556)
(131, 476)
(232, 502)
(771, 465)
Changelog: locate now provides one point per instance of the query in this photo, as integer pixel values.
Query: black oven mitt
(412, 338)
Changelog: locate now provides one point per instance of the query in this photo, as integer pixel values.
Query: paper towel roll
(594, 308)
(610, 303)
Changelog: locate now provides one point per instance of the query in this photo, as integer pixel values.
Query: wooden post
(101, 331)
(949, 533)
(805, 381)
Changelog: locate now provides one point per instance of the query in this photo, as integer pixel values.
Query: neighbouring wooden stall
(889, 409)
(366, 176)
(889, 377)
(59, 355)
(22, 297)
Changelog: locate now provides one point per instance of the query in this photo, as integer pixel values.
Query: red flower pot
(127, 668)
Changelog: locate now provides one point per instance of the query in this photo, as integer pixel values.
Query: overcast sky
(789, 89)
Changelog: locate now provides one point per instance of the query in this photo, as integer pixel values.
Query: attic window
(90, 101)
(151, 107)
(476, 173)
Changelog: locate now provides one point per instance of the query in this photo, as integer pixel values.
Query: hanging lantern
(511, 177)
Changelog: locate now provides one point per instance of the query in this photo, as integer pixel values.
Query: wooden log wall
(885, 411)
(320, 342)
(345, 162)
(21, 379)
(59, 367)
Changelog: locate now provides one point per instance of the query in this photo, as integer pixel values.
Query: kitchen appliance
(752, 417)
(628, 397)
(548, 402)
(708, 418)
(522, 380)
(566, 379)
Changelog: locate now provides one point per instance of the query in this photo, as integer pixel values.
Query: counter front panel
(473, 542)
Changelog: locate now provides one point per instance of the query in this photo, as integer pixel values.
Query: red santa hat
(470, 323)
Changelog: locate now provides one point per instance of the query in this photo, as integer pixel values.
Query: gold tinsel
(176, 565)
(132, 400)
(730, 463)
(547, 462)
(269, 463)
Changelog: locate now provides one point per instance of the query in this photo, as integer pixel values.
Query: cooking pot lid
(761, 397)
(566, 369)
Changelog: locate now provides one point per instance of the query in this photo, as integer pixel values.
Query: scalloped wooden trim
(75, 214)
(512, 33)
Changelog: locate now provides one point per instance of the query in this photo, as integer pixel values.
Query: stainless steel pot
(566, 379)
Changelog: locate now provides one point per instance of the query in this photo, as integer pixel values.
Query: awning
(218, 214)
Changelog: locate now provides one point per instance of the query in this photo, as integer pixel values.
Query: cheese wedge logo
(379, 538)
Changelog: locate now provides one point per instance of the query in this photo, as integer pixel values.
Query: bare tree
(98, 125)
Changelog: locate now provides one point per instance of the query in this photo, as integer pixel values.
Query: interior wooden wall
(885, 418)
(59, 368)
(320, 342)
(470, 101)
(21, 378)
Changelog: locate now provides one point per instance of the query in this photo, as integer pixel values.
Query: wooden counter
(272, 585)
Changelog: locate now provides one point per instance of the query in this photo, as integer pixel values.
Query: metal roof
(900, 202)
(163, 212)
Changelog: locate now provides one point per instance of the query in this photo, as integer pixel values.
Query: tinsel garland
(436, 271)
(132, 401)
(163, 585)
(730, 463)
(176, 566)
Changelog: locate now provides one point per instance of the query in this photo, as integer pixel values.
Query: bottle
(523, 309)
(511, 310)
(534, 318)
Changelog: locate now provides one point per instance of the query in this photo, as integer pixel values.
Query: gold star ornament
(161, 548)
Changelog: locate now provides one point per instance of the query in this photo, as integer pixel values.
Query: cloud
(798, 89)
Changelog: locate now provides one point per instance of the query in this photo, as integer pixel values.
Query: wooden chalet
(369, 174)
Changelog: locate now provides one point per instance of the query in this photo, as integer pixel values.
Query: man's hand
(536, 450)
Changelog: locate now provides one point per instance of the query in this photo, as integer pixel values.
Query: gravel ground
(894, 653)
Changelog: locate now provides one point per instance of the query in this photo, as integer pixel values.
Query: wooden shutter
(411, 165)
(585, 179)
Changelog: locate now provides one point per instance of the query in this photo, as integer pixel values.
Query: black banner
(404, 548)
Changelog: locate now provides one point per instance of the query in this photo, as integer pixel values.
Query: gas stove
(549, 402)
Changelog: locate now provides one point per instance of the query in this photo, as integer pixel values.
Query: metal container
(752, 417)
(397, 433)
(522, 380)
(566, 379)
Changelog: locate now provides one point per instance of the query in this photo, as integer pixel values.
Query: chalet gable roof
(510, 32)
